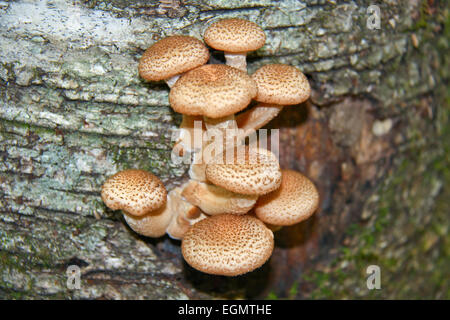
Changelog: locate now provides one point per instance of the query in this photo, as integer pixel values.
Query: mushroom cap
(137, 192)
(256, 172)
(281, 84)
(227, 244)
(235, 35)
(296, 200)
(152, 224)
(212, 90)
(171, 56)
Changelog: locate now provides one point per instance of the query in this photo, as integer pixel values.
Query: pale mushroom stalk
(237, 60)
(215, 200)
(256, 117)
(184, 214)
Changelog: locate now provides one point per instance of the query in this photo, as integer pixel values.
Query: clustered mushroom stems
(225, 215)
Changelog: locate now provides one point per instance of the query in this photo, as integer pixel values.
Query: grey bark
(74, 111)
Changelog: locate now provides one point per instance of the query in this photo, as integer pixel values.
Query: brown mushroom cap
(281, 84)
(296, 200)
(235, 35)
(153, 224)
(212, 90)
(256, 173)
(171, 56)
(227, 244)
(137, 192)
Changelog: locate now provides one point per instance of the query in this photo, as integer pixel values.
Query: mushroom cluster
(237, 193)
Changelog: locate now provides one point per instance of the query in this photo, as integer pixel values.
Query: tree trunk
(373, 137)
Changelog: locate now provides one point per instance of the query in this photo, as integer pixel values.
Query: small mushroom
(281, 84)
(245, 170)
(296, 200)
(184, 214)
(235, 37)
(137, 192)
(227, 244)
(215, 200)
(170, 57)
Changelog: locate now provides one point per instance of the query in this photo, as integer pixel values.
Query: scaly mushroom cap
(281, 84)
(137, 192)
(296, 200)
(171, 56)
(227, 245)
(212, 90)
(257, 172)
(153, 224)
(235, 35)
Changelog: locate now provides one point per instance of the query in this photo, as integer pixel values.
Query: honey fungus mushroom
(142, 197)
(295, 200)
(227, 244)
(278, 85)
(235, 37)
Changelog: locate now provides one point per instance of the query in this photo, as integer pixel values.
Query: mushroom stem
(236, 60)
(184, 214)
(215, 200)
(171, 81)
(256, 117)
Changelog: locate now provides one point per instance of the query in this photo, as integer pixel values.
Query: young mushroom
(296, 200)
(235, 37)
(215, 200)
(278, 85)
(227, 244)
(142, 197)
(248, 170)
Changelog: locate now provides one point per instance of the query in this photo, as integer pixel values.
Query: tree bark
(373, 137)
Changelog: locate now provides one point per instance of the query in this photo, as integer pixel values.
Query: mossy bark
(374, 138)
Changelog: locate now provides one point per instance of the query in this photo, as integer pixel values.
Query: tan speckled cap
(213, 90)
(137, 192)
(228, 245)
(281, 84)
(171, 56)
(296, 200)
(235, 35)
(257, 172)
